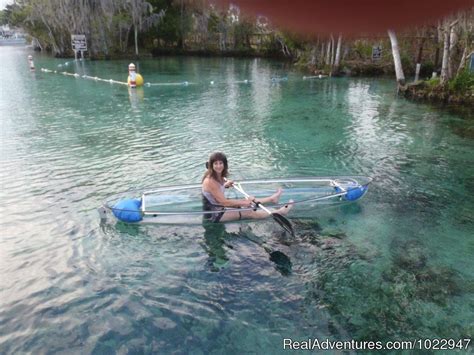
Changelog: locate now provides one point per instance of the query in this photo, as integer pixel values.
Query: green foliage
(363, 49)
(213, 23)
(13, 15)
(406, 61)
(292, 41)
(174, 25)
(427, 69)
(242, 32)
(433, 82)
(463, 82)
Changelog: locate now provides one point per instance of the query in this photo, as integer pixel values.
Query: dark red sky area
(350, 17)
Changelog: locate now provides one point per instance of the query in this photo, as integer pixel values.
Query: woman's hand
(249, 202)
(229, 183)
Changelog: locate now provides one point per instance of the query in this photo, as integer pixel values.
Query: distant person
(214, 184)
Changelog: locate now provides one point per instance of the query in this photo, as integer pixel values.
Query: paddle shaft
(242, 191)
(282, 221)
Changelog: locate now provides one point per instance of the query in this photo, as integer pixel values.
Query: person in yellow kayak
(214, 184)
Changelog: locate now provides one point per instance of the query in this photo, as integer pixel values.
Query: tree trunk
(181, 26)
(328, 53)
(464, 57)
(445, 62)
(313, 56)
(337, 60)
(419, 55)
(396, 58)
(332, 50)
(438, 36)
(453, 38)
(136, 39)
(322, 53)
(127, 37)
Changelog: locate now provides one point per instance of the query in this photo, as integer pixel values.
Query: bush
(427, 69)
(433, 82)
(463, 82)
(406, 62)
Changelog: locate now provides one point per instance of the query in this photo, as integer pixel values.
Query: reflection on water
(369, 270)
(214, 239)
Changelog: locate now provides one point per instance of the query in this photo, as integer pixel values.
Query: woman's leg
(250, 214)
(275, 198)
(232, 216)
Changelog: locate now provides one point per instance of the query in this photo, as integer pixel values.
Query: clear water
(397, 265)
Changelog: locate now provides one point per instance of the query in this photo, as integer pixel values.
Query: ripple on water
(71, 284)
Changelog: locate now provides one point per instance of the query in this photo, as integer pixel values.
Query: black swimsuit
(208, 206)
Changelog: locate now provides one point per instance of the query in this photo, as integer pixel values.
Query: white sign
(79, 43)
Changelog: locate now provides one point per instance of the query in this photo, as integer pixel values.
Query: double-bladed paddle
(282, 221)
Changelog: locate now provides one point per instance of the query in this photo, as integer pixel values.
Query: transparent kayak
(183, 203)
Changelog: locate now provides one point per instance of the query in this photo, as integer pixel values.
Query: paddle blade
(285, 223)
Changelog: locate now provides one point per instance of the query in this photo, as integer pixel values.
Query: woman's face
(218, 166)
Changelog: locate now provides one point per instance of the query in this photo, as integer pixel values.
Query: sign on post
(79, 44)
(376, 52)
(472, 63)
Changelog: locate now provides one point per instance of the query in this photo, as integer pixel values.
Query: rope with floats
(135, 80)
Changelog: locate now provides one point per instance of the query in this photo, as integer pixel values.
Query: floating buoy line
(95, 78)
(181, 83)
(134, 79)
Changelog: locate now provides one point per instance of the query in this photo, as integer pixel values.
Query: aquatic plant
(409, 297)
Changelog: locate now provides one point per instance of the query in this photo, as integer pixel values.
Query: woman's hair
(217, 156)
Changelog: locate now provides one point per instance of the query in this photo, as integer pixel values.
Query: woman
(214, 184)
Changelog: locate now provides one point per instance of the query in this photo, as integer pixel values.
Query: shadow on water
(215, 242)
(216, 237)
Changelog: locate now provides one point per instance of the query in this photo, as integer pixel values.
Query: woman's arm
(214, 189)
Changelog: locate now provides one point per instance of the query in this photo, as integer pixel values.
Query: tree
(449, 41)
(337, 59)
(142, 17)
(396, 58)
(466, 40)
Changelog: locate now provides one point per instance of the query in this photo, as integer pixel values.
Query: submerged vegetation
(440, 54)
(399, 301)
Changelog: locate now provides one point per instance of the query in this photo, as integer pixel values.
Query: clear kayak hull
(183, 204)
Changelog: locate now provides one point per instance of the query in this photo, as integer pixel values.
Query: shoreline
(419, 91)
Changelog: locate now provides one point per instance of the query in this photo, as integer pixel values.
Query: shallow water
(396, 265)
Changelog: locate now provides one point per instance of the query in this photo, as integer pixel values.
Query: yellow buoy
(138, 80)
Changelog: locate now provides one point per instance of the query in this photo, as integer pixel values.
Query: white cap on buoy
(132, 76)
(31, 63)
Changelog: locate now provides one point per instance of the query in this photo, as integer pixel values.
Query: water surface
(396, 265)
